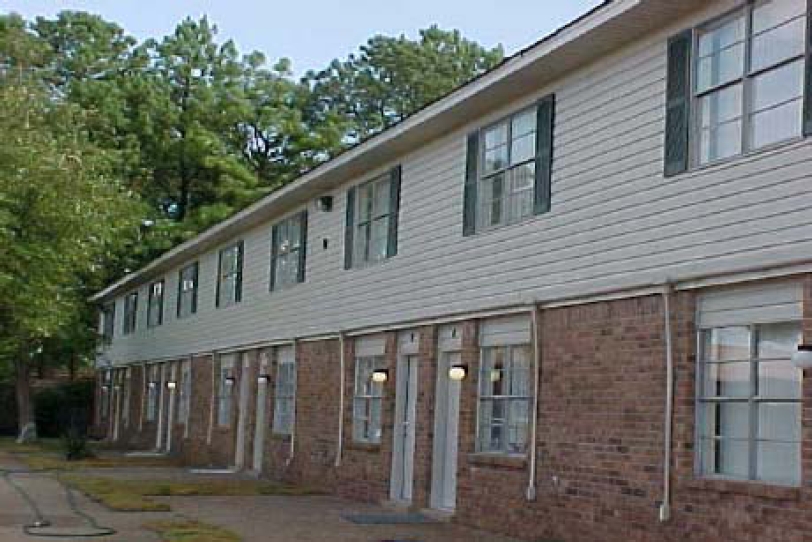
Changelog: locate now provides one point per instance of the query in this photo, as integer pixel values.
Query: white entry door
(404, 433)
(446, 436)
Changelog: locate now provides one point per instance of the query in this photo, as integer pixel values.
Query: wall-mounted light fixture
(263, 380)
(105, 388)
(116, 387)
(171, 385)
(380, 376)
(325, 204)
(153, 385)
(496, 375)
(802, 358)
(230, 380)
(457, 373)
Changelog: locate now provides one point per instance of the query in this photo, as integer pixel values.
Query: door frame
(401, 487)
(445, 451)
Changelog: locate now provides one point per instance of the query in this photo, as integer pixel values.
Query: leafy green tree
(391, 78)
(62, 214)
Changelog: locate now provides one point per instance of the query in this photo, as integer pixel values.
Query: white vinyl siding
(750, 79)
(616, 222)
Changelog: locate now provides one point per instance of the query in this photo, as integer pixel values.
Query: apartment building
(561, 302)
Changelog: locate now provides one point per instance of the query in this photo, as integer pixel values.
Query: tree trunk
(26, 426)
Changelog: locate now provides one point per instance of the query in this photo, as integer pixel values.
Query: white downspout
(143, 397)
(339, 448)
(160, 433)
(213, 395)
(665, 507)
(292, 450)
(173, 377)
(534, 335)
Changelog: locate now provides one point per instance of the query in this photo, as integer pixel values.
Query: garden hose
(40, 521)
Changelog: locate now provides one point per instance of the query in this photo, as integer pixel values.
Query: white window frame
(364, 225)
(188, 279)
(753, 400)
(506, 172)
(284, 394)
(366, 429)
(155, 303)
(508, 399)
(225, 392)
(746, 78)
(226, 274)
(287, 253)
(130, 320)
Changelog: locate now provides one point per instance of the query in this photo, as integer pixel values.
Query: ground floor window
(285, 392)
(504, 399)
(749, 403)
(367, 402)
(225, 391)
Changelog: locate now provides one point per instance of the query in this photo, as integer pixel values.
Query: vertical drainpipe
(173, 377)
(292, 450)
(534, 335)
(143, 397)
(665, 507)
(159, 436)
(341, 362)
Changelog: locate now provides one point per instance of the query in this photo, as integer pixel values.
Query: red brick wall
(600, 434)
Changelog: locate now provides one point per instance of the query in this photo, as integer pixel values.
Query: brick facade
(599, 444)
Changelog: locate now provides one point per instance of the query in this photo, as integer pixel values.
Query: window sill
(743, 487)
(363, 447)
(516, 462)
(745, 157)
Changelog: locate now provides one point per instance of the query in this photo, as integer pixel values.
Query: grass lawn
(191, 531)
(134, 495)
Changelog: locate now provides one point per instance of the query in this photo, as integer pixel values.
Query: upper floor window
(749, 403)
(288, 249)
(750, 79)
(187, 290)
(229, 276)
(130, 313)
(372, 220)
(744, 87)
(108, 316)
(155, 304)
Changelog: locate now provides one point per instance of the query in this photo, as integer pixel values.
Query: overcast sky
(313, 32)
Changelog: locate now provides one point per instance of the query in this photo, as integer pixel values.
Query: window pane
(380, 239)
(778, 341)
(727, 343)
(779, 44)
(375, 420)
(490, 210)
(364, 202)
(726, 419)
(721, 55)
(732, 458)
(523, 149)
(517, 430)
(768, 15)
(496, 136)
(522, 189)
(775, 125)
(381, 205)
(779, 380)
(727, 379)
(779, 421)
(720, 118)
(779, 462)
(520, 372)
(496, 159)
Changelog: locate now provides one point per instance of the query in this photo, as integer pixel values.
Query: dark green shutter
(469, 200)
(678, 103)
(180, 293)
(219, 278)
(302, 245)
(545, 126)
(394, 211)
(274, 255)
(349, 228)
(808, 83)
(238, 281)
(195, 279)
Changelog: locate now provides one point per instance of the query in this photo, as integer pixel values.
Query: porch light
(802, 358)
(116, 387)
(457, 373)
(105, 388)
(153, 385)
(171, 385)
(263, 380)
(230, 380)
(380, 376)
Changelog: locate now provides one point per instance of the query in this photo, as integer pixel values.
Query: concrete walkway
(260, 518)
